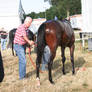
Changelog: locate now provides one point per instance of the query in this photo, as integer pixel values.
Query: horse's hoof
(52, 82)
(73, 72)
(38, 82)
(64, 73)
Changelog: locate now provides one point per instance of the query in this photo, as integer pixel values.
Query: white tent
(87, 22)
(11, 14)
(87, 15)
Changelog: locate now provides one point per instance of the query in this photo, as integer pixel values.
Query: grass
(76, 90)
(90, 90)
(85, 85)
(63, 83)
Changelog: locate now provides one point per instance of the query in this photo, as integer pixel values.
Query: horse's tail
(9, 45)
(41, 43)
(41, 35)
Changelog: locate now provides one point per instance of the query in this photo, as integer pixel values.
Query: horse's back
(56, 33)
(62, 32)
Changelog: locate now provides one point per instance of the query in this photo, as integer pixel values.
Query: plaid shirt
(20, 32)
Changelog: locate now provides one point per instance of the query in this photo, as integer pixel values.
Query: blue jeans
(20, 51)
(45, 57)
(3, 44)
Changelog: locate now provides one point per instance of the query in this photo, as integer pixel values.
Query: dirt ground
(80, 82)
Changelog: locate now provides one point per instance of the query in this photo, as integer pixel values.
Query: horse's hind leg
(72, 57)
(63, 59)
(38, 60)
(50, 62)
(37, 67)
(50, 73)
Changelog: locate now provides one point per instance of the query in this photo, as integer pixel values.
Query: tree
(68, 6)
(32, 14)
(59, 8)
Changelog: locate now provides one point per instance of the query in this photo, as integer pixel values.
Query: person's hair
(27, 19)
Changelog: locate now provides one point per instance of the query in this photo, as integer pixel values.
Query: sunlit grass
(63, 83)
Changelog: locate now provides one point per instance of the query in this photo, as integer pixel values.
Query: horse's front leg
(72, 58)
(63, 59)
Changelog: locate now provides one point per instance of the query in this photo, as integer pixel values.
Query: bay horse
(30, 36)
(55, 33)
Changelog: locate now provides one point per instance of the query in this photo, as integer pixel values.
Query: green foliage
(59, 8)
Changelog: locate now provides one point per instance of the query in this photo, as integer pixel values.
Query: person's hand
(31, 43)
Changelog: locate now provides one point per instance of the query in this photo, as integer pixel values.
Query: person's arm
(30, 42)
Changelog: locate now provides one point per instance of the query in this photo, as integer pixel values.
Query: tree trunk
(68, 13)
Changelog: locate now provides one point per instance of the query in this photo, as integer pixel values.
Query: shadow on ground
(57, 67)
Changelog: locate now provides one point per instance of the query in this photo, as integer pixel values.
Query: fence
(82, 36)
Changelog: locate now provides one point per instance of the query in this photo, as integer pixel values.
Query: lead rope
(34, 65)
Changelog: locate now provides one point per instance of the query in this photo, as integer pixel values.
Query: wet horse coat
(55, 33)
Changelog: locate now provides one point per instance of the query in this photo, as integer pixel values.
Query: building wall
(76, 21)
(87, 15)
(9, 22)
(9, 14)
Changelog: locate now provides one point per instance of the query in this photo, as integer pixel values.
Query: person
(20, 41)
(55, 18)
(3, 39)
(45, 57)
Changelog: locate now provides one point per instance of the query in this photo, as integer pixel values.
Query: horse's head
(30, 35)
